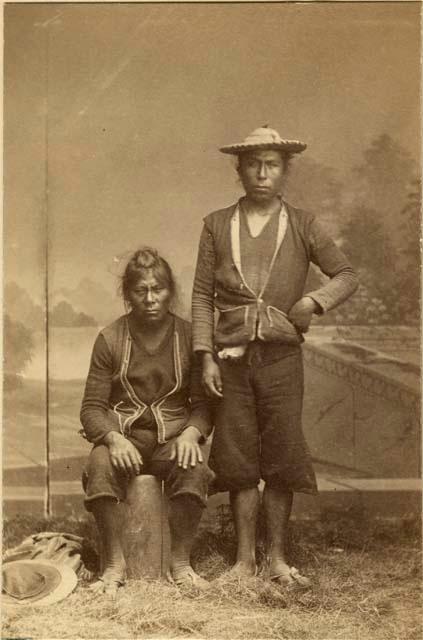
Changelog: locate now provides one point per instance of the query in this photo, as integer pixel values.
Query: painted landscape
(376, 223)
(114, 114)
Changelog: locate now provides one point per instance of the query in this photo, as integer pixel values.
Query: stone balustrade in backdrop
(361, 420)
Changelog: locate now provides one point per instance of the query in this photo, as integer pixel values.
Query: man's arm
(203, 315)
(186, 448)
(333, 263)
(203, 295)
(201, 409)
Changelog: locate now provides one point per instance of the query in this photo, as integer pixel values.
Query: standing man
(252, 266)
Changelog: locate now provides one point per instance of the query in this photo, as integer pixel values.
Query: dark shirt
(150, 373)
(257, 252)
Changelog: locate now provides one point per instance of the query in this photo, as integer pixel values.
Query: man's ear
(239, 168)
(236, 163)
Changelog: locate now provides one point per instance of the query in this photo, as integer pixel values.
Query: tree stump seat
(145, 530)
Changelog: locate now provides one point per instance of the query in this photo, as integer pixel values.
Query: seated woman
(145, 412)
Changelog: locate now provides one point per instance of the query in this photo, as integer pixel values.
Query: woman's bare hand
(186, 449)
(124, 455)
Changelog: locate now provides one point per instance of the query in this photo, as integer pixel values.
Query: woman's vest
(172, 410)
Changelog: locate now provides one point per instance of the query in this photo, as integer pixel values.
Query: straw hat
(35, 583)
(264, 138)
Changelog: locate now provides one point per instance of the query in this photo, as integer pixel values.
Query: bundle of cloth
(43, 569)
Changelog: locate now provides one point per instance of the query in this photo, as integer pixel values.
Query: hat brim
(286, 146)
(68, 582)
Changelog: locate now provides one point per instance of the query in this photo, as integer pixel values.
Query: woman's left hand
(186, 449)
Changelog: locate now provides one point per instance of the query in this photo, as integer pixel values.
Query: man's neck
(254, 208)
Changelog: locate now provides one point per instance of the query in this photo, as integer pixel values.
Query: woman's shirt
(127, 384)
(151, 373)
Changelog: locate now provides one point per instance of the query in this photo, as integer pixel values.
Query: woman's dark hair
(146, 259)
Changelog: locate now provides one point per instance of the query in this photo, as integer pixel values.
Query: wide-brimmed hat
(35, 583)
(264, 138)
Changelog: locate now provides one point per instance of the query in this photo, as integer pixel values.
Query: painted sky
(114, 114)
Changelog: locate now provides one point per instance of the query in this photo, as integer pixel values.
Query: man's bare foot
(187, 577)
(108, 584)
(242, 570)
(281, 573)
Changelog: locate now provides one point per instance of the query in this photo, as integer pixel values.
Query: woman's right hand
(124, 455)
(211, 378)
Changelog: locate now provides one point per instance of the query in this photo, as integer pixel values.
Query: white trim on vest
(156, 405)
(140, 406)
(236, 245)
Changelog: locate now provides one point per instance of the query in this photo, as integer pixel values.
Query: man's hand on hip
(302, 312)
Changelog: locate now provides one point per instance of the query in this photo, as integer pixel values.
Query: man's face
(261, 174)
(150, 299)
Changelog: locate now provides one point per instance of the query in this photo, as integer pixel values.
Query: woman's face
(150, 299)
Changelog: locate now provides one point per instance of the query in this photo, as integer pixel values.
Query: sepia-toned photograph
(211, 321)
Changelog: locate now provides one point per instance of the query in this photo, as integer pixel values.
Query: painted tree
(64, 315)
(18, 347)
(380, 236)
(408, 256)
(381, 182)
(21, 307)
(315, 187)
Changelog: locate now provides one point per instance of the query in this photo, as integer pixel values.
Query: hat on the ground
(35, 583)
(264, 138)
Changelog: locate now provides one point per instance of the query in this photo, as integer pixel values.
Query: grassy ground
(366, 586)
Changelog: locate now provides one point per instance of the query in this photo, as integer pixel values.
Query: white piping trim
(240, 306)
(140, 406)
(236, 247)
(156, 405)
(282, 313)
(121, 426)
(282, 226)
(236, 252)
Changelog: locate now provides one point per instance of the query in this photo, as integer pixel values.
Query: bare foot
(242, 570)
(281, 573)
(187, 577)
(108, 585)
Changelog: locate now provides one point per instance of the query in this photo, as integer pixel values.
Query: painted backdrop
(113, 119)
